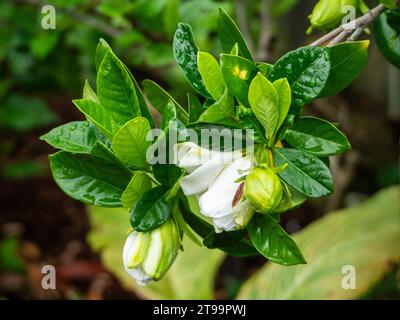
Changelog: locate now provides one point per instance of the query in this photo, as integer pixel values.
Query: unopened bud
(328, 14)
(263, 189)
(148, 255)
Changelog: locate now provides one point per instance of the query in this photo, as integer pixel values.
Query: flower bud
(148, 255)
(263, 189)
(328, 14)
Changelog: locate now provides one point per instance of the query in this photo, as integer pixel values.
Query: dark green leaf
(317, 136)
(130, 143)
(238, 73)
(347, 61)
(305, 172)
(168, 116)
(144, 108)
(195, 107)
(116, 91)
(307, 70)
(185, 52)
(138, 185)
(100, 150)
(76, 136)
(151, 210)
(273, 242)
(233, 242)
(167, 174)
(89, 179)
(98, 115)
(229, 34)
(101, 50)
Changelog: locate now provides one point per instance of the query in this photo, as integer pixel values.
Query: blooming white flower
(212, 176)
(148, 255)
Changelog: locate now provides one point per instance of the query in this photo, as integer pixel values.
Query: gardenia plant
(227, 198)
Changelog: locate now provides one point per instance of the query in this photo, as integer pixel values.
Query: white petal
(217, 201)
(194, 158)
(225, 223)
(198, 181)
(190, 156)
(128, 247)
(137, 273)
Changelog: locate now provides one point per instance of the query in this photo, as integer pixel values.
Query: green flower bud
(263, 189)
(328, 14)
(148, 255)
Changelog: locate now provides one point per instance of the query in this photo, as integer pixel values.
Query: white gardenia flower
(148, 255)
(212, 176)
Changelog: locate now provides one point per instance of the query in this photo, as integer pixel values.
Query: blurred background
(41, 71)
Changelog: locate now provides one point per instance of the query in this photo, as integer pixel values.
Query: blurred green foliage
(10, 259)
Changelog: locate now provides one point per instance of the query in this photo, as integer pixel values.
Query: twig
(266, 32)
(356, 34)
(343, 31)
(240, 9)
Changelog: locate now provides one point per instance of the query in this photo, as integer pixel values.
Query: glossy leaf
(185, 52)
(221, 112)
(98, 115)
(232, 242)
(167, 174)
(100, 150)
(89, 179)
(195, 107)
(89, 93)
(305, 172)
(272, 241)
(264, 68)
(282, 87)
(130, 143)
(365, 236)
(347, 61)
(317, 136)
(307, 70)
(291, 199)
(168, 116)
(101, 50)
(387, 36)
(139, 184)
(211, 74)
(264, 101)
(159, 98)
(151, 210)
(144, 108)
(229, 34)
(238, 73)
(76, 136)
(116, 91)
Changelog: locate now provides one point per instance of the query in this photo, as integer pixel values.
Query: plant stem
(350, 31)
